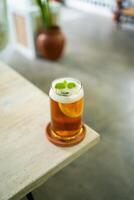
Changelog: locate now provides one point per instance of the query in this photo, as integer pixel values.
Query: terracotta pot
(50, 43)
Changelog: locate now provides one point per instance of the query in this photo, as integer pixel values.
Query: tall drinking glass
(66, 106)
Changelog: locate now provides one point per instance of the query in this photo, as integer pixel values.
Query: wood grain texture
(27, 158)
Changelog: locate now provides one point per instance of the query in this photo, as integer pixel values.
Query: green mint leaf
(65, 82)
(60, 86)
(71, 85)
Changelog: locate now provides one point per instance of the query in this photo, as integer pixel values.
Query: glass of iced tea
(66, 107)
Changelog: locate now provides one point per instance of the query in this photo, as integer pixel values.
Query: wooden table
(27, 158)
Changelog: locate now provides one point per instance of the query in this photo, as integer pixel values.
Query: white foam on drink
(74, 94)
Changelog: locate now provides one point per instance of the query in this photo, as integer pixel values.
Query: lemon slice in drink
(72, 109)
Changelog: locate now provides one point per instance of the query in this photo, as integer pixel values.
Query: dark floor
(102, 57)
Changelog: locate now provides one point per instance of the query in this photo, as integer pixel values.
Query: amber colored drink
(66, 105)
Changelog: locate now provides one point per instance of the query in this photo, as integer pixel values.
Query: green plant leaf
(71, 85)
(45, 13)
(41, 7)
(65, 82)
(60, 86)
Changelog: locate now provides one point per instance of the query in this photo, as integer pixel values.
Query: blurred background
(99, 51)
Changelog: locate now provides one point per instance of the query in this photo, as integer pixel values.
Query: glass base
(65, 141)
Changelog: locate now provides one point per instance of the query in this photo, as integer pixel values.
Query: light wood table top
(27, 158)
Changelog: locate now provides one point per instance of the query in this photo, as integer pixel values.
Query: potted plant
(50, 40)
(3, 25)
